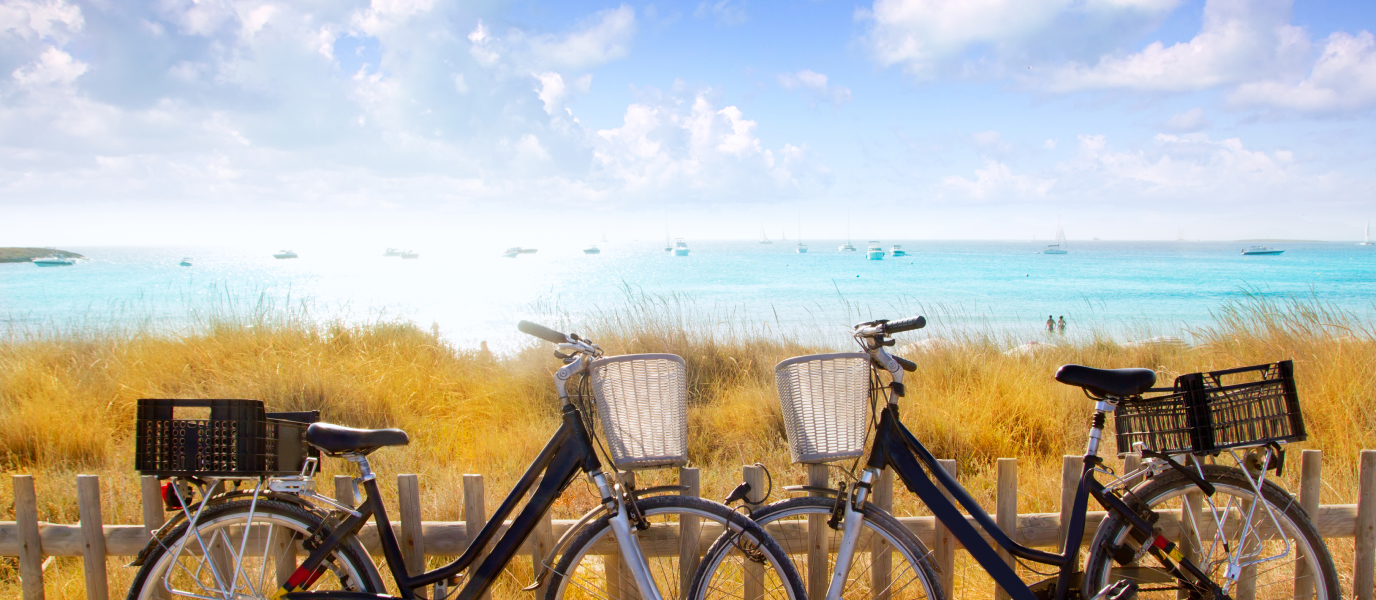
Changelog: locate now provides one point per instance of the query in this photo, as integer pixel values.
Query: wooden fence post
(1364, 563)
(945, 551)
(881, 551)
(1311, 469)
(818, 540)
(754, 573)
(1131, 462)
(542, 542)
(1070, 483)
(26, 518)
(412, 542)
(1006, 510)
(689, 532)
(93, 537)
(150, 491)
(474, 517)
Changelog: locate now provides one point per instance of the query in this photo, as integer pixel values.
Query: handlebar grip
(542, 332)
(907, 324)
(907, 365)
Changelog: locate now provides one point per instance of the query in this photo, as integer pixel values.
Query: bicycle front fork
(853, 520)
(627, 540)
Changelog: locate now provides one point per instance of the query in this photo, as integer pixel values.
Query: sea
(1123, 290)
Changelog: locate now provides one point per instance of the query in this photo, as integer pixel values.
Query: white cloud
(1190, 169)
(921, 35)
(1238, 42)
(1342, 79)
(460, 85)
(603, 40)
(1190, 120)
(816, 86)
(1049, 144)
(53, 67)
(725, 12)
(551, 91)
(996, 181)
(28, 19)
(528, 147)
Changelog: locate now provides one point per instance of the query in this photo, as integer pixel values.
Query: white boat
(875, 251)
(897, 251)
(680, 247)
(53, 260)
(186, 261)
(392, 252)
(1261, 251)
(764, 239)
(604, 237)
(1060, 247)
(592, 250)
(285, 254)
(846, 247)
(1366, 237)
(410, 254)
(802, 248)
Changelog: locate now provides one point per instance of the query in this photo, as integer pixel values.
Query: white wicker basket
(825, 400)
(642, 400)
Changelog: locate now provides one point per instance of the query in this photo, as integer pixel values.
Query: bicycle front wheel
(242, 550)
(889, 563)
(1266, 540)
(680, 530)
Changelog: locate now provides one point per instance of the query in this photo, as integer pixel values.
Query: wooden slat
(344, 490)
(30, 546)
(474, 517)
(881, 551)
(1311, 484)
(1070, 483)
(542, 543)
(620, 582)
(941, 541)
(1006, 510)
(754, 573)
(150, 493)
(411, 539)
(818, 541)
(93, 537)
(1364, 559)
(690, 527)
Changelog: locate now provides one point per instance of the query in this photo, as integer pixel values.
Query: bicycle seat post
(1102, 406)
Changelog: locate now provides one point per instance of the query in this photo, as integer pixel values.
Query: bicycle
(636, 545)
(1225, 544)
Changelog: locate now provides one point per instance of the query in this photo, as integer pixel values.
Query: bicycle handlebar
(542, 332)
(902, 325)
(907, 365)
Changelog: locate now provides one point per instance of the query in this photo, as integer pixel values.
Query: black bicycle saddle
(1107, 382)
(337, 439)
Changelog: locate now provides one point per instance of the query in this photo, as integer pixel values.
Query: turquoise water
(1122, 288)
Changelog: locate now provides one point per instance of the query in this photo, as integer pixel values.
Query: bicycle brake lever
(561, 356)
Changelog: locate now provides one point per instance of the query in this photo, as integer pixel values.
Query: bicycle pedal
(1124, 589)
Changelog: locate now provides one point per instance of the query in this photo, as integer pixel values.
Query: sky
(482, 123)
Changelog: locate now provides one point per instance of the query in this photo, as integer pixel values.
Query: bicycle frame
(894, 446)
(568, 453)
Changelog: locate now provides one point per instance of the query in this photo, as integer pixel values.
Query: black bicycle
(1177, 528)
(637, 545)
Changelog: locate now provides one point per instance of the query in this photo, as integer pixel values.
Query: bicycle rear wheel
(591, 567)
(229, 555)
(890, 563)
(1288, 558)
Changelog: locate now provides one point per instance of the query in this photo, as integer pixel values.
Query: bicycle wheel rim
(589, 571)
(907, 576)
(225, 546)
(1305, 567)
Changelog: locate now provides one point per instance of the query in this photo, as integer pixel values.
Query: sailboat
(802, 248)
(668, 245)
(1366, 237)
(764, 239)
(846, 247)
(1060, 247)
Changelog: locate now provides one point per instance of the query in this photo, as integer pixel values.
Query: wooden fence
(32, 541)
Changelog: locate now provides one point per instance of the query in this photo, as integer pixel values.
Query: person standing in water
(1060, 326)
(1050, 323)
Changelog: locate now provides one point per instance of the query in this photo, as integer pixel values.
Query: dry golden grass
(67, 400)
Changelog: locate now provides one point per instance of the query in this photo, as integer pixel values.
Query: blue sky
(227, 122)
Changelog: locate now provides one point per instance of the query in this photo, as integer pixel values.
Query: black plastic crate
(1214, 411)
(239, 439)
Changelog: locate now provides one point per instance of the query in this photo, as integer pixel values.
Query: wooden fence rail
(32, 540)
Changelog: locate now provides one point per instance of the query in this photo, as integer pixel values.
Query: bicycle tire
(1167, 491)
(218, 534)
(915, 578)
(589, 569)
